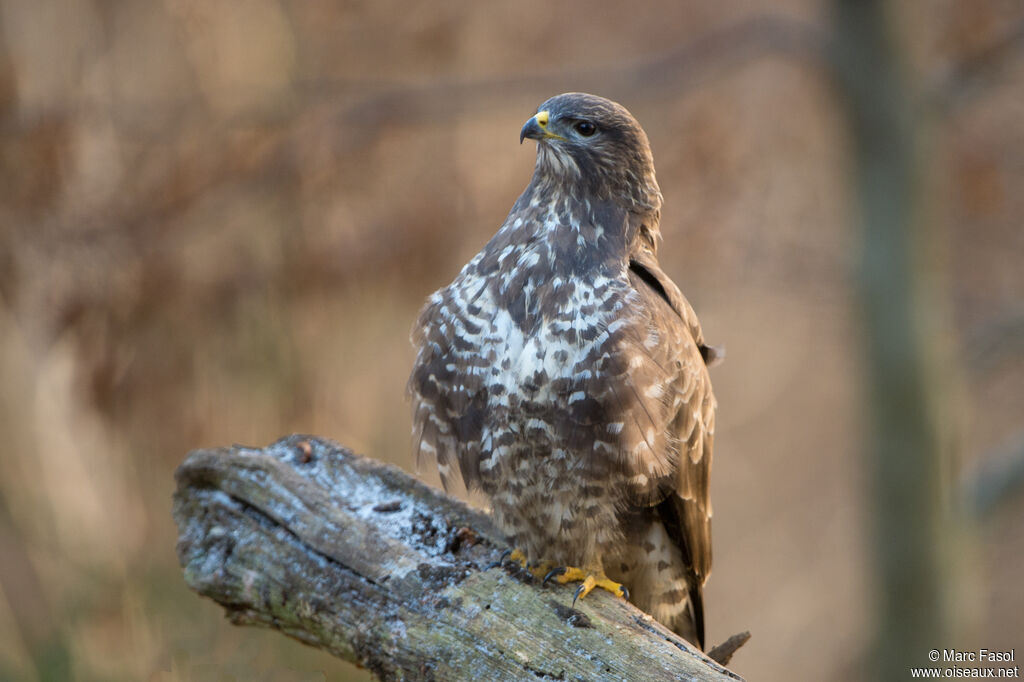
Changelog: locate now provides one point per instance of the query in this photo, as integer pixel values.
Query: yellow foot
(539, 570)
(587, 581)
(516, 556)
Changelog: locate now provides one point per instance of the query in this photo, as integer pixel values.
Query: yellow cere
(542, 118)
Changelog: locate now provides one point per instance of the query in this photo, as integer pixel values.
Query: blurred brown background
(218, 219)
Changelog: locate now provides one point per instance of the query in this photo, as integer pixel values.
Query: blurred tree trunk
(911, 526)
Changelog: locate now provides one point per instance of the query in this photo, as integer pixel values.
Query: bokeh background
(218, 219)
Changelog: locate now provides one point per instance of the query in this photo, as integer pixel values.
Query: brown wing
(447, 393)
(684, 505)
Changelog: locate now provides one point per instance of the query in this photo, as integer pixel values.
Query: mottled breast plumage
(564, 375)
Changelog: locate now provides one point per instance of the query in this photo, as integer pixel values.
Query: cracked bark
(360, 559)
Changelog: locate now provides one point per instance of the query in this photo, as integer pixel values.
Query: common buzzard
(565, 375)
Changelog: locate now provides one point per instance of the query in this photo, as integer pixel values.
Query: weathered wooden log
(362, 560)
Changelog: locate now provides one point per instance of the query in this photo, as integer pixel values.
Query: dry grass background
(218, 220)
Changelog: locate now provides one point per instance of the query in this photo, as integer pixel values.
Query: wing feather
(447, 395)
(684, 505)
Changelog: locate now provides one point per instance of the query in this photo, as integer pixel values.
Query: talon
(514, 555)
(584, 589)
(553, 573)
(588, 581)
(500, 561)
(517, 556)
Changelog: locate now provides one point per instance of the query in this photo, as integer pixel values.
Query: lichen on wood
(362, 560)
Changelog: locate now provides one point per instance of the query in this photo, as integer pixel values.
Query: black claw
(625, 593)
(501, 560)
(552, 573)
(579, 591)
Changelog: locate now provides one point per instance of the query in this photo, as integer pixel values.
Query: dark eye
(585, 128)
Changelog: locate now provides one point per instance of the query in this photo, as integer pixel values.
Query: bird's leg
(588, 580)
(516, 556)
(538, 569)
(545, 571)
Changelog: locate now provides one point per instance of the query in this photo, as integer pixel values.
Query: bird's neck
(634, 187)
(581, 234)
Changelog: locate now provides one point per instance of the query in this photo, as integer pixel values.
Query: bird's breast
(543, 339)
(551, 332)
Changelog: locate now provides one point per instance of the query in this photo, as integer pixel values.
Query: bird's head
(593, 148)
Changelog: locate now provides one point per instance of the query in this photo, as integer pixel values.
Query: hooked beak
(537, 128)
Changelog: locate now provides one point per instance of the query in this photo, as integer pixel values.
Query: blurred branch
(361, 560)
(995, 341)
(665, 76)
(911, 530)
(997, 482)
(349, 115)
(970, 77)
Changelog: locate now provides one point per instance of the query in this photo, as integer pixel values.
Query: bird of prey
(564, 375)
